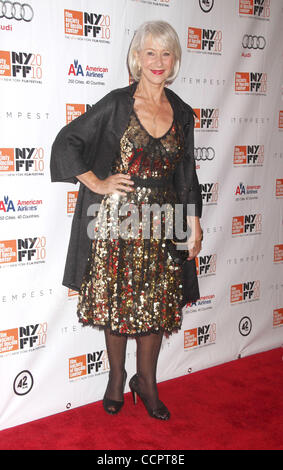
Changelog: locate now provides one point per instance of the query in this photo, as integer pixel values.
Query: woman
(135, 147)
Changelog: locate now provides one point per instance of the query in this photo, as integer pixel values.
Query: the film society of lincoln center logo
(206, 119)
(254, 83)
(21, 66)
(255, 8)
(278, 253)
(74, 110)
(22, 251)
(249, 224)
(90, 364)
(23, 339)
(200, 336)
(277, 317)
(245, 292)
(72, 197)
(248, 155)
(279, 188)
(206, 41)
(94, 26)
(21, 161)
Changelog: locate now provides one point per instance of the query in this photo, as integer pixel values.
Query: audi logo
(253, 42)
(204, 153)
(16, 11)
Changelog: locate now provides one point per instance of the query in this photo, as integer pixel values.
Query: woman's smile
(158, 72)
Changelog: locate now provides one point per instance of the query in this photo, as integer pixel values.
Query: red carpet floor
(237, 405)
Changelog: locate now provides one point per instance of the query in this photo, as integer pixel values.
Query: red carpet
(237, 405)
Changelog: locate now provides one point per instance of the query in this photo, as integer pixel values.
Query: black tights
(148, 348)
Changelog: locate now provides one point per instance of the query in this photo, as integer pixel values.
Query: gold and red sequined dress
(131, 284)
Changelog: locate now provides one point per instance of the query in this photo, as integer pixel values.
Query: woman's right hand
(114, 184)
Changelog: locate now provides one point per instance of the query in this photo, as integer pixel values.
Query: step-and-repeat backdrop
(56, 60)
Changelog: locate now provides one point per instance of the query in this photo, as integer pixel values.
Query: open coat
(92, 142)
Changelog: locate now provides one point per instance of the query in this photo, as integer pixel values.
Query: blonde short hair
(162, 32)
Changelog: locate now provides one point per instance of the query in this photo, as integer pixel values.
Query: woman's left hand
(194, 246)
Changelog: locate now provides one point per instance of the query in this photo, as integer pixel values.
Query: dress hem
(103, 326)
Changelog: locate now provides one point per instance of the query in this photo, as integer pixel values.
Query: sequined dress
(131, 284)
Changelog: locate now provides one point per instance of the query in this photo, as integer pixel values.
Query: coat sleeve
(192, 191)
(185, 176)
(72, 150)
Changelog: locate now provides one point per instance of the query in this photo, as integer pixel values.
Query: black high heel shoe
(159, 413)
(113, 407)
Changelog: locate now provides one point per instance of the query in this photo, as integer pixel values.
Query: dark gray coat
(91, 142)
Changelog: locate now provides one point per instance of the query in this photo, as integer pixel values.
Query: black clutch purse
(176, 247)
(178, 250)
(179, 256)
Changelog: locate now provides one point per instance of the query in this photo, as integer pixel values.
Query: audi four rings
(204, 153)
(253, 42)
(16, 11)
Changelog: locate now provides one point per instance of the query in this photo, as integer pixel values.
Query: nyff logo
(27, 337)
(249, 224)
(255, 8)
(208, 41)
(244, 292)
(250, 155)
(88, 364)
(80, 23)
(200, 336)
(206, 118)
(32, 335)
(209, 192)
(29, 248)
(22, 160)
(20, 65)
(250, 82)
(206, 265)
(23, 250)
